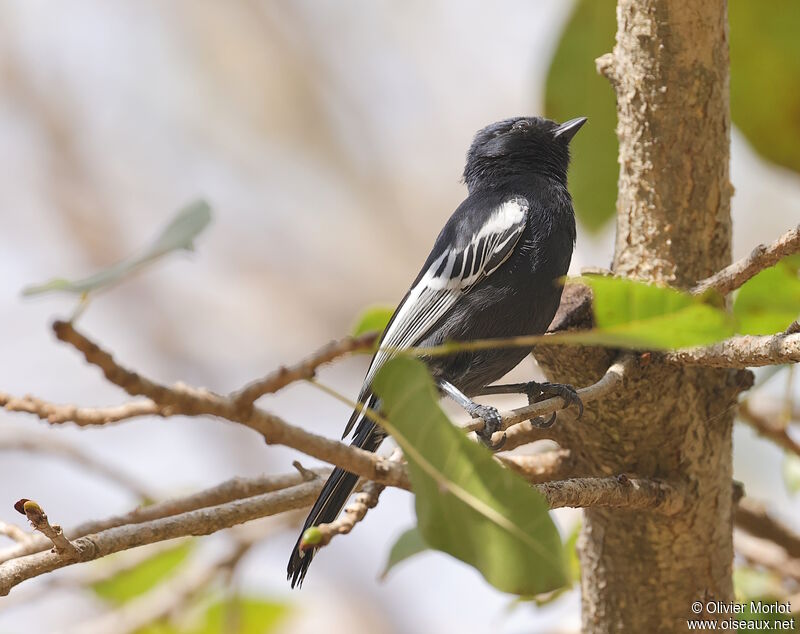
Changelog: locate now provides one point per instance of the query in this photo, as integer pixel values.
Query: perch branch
(541, 467)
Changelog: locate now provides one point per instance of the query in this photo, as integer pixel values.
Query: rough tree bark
(641, 572)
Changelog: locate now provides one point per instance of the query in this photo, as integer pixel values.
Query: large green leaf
(467, 504)
(130, 583)
(177, 235)
(765, 67)
(410, 543)
(632, 314)
(574, 88)
(770, 301)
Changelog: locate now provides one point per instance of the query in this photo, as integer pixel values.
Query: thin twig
(352, 514)
(768, 429)
(763, 256)
(305, 369)
(83, 416)
(38, 519)
(12, 531)
(767, 555)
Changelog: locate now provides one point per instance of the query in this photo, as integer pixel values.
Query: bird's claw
(540, 391)
(541, 423)
(492, 421)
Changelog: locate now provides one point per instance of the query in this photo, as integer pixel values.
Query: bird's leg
(538, 392)
(491, 417)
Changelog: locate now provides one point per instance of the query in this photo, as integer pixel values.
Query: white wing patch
(449, 277)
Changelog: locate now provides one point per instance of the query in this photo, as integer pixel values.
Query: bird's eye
(520, 126)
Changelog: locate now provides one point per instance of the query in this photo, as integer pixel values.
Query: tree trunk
(642, 571)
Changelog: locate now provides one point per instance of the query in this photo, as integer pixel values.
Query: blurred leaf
(749, 583)
(573, 89)
(248, 615)
(467, 504)
(765, 66)
(410, 543)
(130, 583)
(791, 472)
(770, 301)
(631, 314)
(374, 318)
(179, 234)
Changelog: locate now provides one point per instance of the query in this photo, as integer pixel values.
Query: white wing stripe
(435, 294)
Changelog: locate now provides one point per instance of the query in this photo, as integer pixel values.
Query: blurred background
(329, 138)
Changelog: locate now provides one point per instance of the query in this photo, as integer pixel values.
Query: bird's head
(515, 147)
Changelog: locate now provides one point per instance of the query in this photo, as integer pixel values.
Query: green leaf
(130, 583)
(765, 65)
(571, 550)
(574, 88)
(632, 314)
(467, 504)
(374, 318)
(770, 301)
(178, 234)
(791, 472)
(410, 543)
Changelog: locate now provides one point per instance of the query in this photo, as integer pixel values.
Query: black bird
(493, 272)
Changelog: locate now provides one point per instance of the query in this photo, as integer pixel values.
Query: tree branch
(305, 369)
(620, 491)
(763, 256)
(742, 352)
(752, 517)
(199, 522)
(557, 464)
(228, 491)
(38, 519)
(768, 429)
(81, 416)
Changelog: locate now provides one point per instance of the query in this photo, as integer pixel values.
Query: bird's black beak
(568, 130)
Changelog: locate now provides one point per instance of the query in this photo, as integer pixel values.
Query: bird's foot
(540, 391)
(492, 422)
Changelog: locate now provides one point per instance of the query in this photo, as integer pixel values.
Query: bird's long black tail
(331, 501)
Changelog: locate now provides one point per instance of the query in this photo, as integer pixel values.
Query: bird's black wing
(475, 251)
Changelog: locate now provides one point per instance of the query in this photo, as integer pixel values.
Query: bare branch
(742, 352)
(82, 416)
(305, 369)
(352, 514)
(621, 491)
(199, 522)
(228, 491)
(763, 256)
(38, 519)
(768, 429)
(751, 516)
